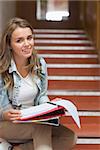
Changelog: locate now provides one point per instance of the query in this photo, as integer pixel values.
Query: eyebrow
(17, 38)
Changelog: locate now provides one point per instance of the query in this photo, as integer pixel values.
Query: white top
(27, 91)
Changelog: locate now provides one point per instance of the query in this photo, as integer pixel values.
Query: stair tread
(73, 65)
(60, 41)
(63, 44)
(71, 60)
(62, 38)
(58, 48)
(89, 125)
(81, 102)
(46, 51)
(88, 141)
(59, 31)
(87, 147)
(77, 77)
(73, 84)
(74, 71)
(69, 55)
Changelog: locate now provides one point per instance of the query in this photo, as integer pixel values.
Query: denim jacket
(40, 82)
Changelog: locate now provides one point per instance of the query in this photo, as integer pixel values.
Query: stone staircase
(74, 74)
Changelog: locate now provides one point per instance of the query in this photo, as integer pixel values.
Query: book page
(71, 108)
(37, 110)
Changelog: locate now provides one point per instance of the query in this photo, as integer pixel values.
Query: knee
(73, 138)
(63, 138)
(70, 137)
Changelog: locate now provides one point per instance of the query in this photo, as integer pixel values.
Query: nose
(26, 43)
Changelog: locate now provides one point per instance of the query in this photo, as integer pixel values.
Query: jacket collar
(12, 67)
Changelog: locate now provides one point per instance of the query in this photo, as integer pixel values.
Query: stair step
(81, 102)
(68, 92)
(87, 147)
(69, 55)
(62, 44)
(46, 41)
(73, 65)
(73, 71)
(62, 38)
(88, 141)
(46, 51)
(77, 78)
(73, 83)
(46, 31)
(59, 35)
(87, 85)
(72, 60)
(59, 48)
(90, 125)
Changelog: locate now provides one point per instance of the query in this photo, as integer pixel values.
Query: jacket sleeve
(42, 98)
(4, 101)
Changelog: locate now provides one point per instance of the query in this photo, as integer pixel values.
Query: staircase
(74, 74)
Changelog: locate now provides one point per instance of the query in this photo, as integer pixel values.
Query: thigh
(13, 131)
(63, 138)
(41, 139)
(23, 133)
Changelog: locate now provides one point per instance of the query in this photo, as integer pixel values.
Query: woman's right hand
(11, 115)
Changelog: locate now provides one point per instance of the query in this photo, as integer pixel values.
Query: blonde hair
(5, 52)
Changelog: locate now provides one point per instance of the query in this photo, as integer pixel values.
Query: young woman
(23, 83)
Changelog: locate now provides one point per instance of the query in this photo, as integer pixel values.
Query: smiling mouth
(26, 51)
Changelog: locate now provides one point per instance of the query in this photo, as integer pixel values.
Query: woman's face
(22, 43)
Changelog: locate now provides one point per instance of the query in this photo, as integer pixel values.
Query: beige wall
(7, 11)
(90, 19)
(98, 28)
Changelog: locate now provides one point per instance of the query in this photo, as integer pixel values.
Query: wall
(7, 11)
(98, 28)
(90, 19)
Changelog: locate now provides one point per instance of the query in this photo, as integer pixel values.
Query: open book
(49, 112)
